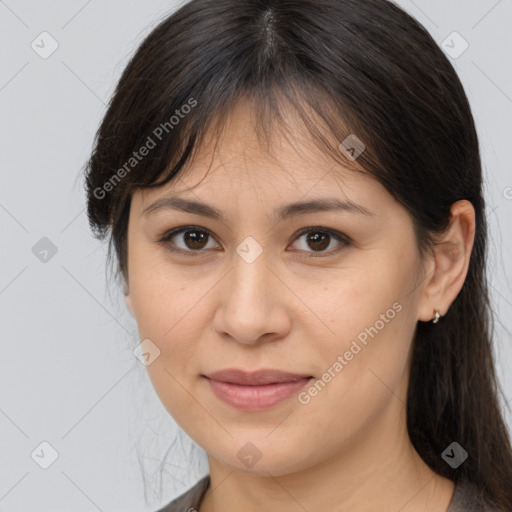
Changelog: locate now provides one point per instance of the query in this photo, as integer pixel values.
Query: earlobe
(128, 301)
(451, 255)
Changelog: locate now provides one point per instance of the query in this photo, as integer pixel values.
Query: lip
(252, 391)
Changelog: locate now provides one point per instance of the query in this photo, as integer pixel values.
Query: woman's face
(258, 290)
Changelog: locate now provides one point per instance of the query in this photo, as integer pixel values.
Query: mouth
(253, 391)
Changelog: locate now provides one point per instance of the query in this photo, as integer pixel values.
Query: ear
(449, 263)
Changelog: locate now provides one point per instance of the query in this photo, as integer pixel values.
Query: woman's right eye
(192, 238)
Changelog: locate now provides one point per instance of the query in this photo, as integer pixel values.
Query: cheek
(354, 300)
(171, 315)
(365, 352)
(361, 376)
(161, 294)
(371, 316)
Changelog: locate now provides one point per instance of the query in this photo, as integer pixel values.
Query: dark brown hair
(362, 67)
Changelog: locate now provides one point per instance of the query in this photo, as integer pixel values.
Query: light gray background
(68, 374)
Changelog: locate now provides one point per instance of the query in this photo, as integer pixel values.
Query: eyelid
(339, 236)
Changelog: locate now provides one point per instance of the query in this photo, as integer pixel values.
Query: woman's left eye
(319, 239)
(194, 238)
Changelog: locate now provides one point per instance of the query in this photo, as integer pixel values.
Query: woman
(294, 195)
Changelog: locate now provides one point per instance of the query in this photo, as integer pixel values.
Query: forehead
(235, 163)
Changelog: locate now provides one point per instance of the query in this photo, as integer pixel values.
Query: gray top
(466, 498)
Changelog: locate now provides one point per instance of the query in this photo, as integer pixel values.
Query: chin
(261, 459)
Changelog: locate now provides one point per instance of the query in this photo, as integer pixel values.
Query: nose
(252, 306)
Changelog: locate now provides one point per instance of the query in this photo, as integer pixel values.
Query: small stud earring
(436, 318)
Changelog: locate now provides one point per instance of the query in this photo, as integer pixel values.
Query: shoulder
(469, 498)
(190, 500)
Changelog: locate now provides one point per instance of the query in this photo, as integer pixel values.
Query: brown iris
(195, 239)
(320, 240)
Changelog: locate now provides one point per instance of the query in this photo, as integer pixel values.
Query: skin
(348, 448)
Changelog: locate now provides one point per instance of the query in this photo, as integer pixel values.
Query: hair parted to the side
(362, 67)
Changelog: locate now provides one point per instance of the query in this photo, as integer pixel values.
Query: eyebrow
(282, 213)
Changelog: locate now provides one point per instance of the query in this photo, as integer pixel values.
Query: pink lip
(257, 390)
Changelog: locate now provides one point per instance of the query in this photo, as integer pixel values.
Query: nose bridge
(249, 291)
(249, 306)
(250, 277)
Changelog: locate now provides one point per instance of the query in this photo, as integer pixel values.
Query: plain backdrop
(73, 396)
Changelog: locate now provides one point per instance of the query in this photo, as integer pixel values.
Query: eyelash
(340, 237)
